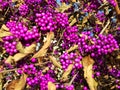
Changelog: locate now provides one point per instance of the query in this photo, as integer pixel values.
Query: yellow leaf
(9, 60)
(73, 22)
(67, 72)
(19, 56)
(51, 86)
(11, 85)
(21, 84)
(42, 52)
(4, 33)
(64, 7)
(1, 83)
(4, 27)
(72, 48)
(30, 49)
(20, 47)
(87, 65)
(54, 61)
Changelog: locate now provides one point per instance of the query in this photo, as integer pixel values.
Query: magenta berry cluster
(70, 37)
(23, 10)
(72, 58)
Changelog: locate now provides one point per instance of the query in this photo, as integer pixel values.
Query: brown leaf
(9, 60)
(51, 86)
(72, 48)
(30, 49)
(21, 84)
(67, 72)
(11, 85)
(64, 7)
(19, 56)
(87, 65)
(73, 22)
(4, 33)
(20, 47)
(4, 27)
(54, 61)
(1, 83)
(43, 50)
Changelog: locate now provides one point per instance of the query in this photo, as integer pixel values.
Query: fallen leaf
(51, 86)
(19, 56)
(64, 7)
(67, 72)
(1, 84)
(4, 33)
(42, 52)
(4, 27)
(9, 60)
(72, 48)
(30, 49)
(73, 22)
(20, 47)
(54, 61)
(11, 85)
(21, 84)
(87, 65)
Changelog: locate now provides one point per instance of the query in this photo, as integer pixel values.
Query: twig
(108, 22)
(5, 71)
(73, 78)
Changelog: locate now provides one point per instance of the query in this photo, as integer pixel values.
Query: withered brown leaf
(4, 33)
(63, 7)
(9, 60)
(72, 48)
(4, 28)
(19, 56)
(54, 61)
(42, 52)
(11, 85)
(51, 86)
(67, 72)
(88, 62)
(22, 82)
(20, 47)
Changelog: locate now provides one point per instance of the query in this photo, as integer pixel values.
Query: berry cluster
(10, 44)
(97, 46)
(62, 20)
(70, 36)
(72, 58)
(23, 10)
(21, 32)
(46, 21)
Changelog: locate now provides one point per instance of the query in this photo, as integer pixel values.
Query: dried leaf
(30, 49)
(9, 60)
(64, 7)
(67, 72)
(43, 50)
(98, 22)
(51, 86)
(54, 61)
(21, 84)
(87, 65)
(11, 85)
(1, 40)
(4, 33)
(4, 27)
(73, 22)
(1, 84)
(20, 47)
(72, 48)
(19, 56)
